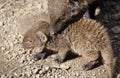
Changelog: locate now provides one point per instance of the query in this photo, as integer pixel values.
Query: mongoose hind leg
(92, 58)
(62, 53)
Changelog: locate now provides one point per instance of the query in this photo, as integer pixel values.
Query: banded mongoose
(66, 11)
(85, 37)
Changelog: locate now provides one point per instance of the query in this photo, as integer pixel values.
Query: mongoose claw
(87, 66)
(39, 56)
(59, 59)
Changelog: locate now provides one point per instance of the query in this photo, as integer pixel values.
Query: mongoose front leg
(39, 56)
(61, 56)
(42, 55)
(92, 58)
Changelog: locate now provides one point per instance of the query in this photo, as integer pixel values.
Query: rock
(23, 58)
(1, 23)
(17, 74)
(37, 76)
(47, 68)
(36, 71)
(2, 76)
(77, 74)
(31, 62)
(62, 77)
(53, 70)
(41, 71)
(10, 76)
(3, 48)
(29, 73)
(48, 74)
(94, 75)
(64, 66)
(116, 29)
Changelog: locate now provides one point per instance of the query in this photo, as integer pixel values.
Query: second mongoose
(85, 37)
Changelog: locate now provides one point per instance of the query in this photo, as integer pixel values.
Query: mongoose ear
(41, 36)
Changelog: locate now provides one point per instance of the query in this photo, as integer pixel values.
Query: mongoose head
(36, 36)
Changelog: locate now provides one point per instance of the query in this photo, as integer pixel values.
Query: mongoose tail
(108, 58)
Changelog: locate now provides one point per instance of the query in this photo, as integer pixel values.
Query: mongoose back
(85, 37)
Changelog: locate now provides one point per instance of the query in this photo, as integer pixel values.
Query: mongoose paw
(59, 59)
(39, 56)
(87, 66)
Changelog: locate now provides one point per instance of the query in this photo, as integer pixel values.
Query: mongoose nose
(52, 31)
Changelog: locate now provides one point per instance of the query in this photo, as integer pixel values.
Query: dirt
(16, 16)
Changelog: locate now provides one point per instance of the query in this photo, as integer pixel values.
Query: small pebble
(66, 67)
(35, 71)
(1, 23)
(41, 71)
(2, 76)
(3, 48)
(47, 68)
(29, 73)
(62, 77)
(22, 60)
(17, 74)
(77, 74)
(37, 76)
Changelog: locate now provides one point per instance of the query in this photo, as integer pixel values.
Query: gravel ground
(15, 62)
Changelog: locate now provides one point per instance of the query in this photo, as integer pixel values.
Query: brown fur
(85, 37)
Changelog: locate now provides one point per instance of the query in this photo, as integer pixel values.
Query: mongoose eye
(28, 44)
(29, 41)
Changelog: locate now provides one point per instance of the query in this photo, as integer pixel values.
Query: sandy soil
(15, 62)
